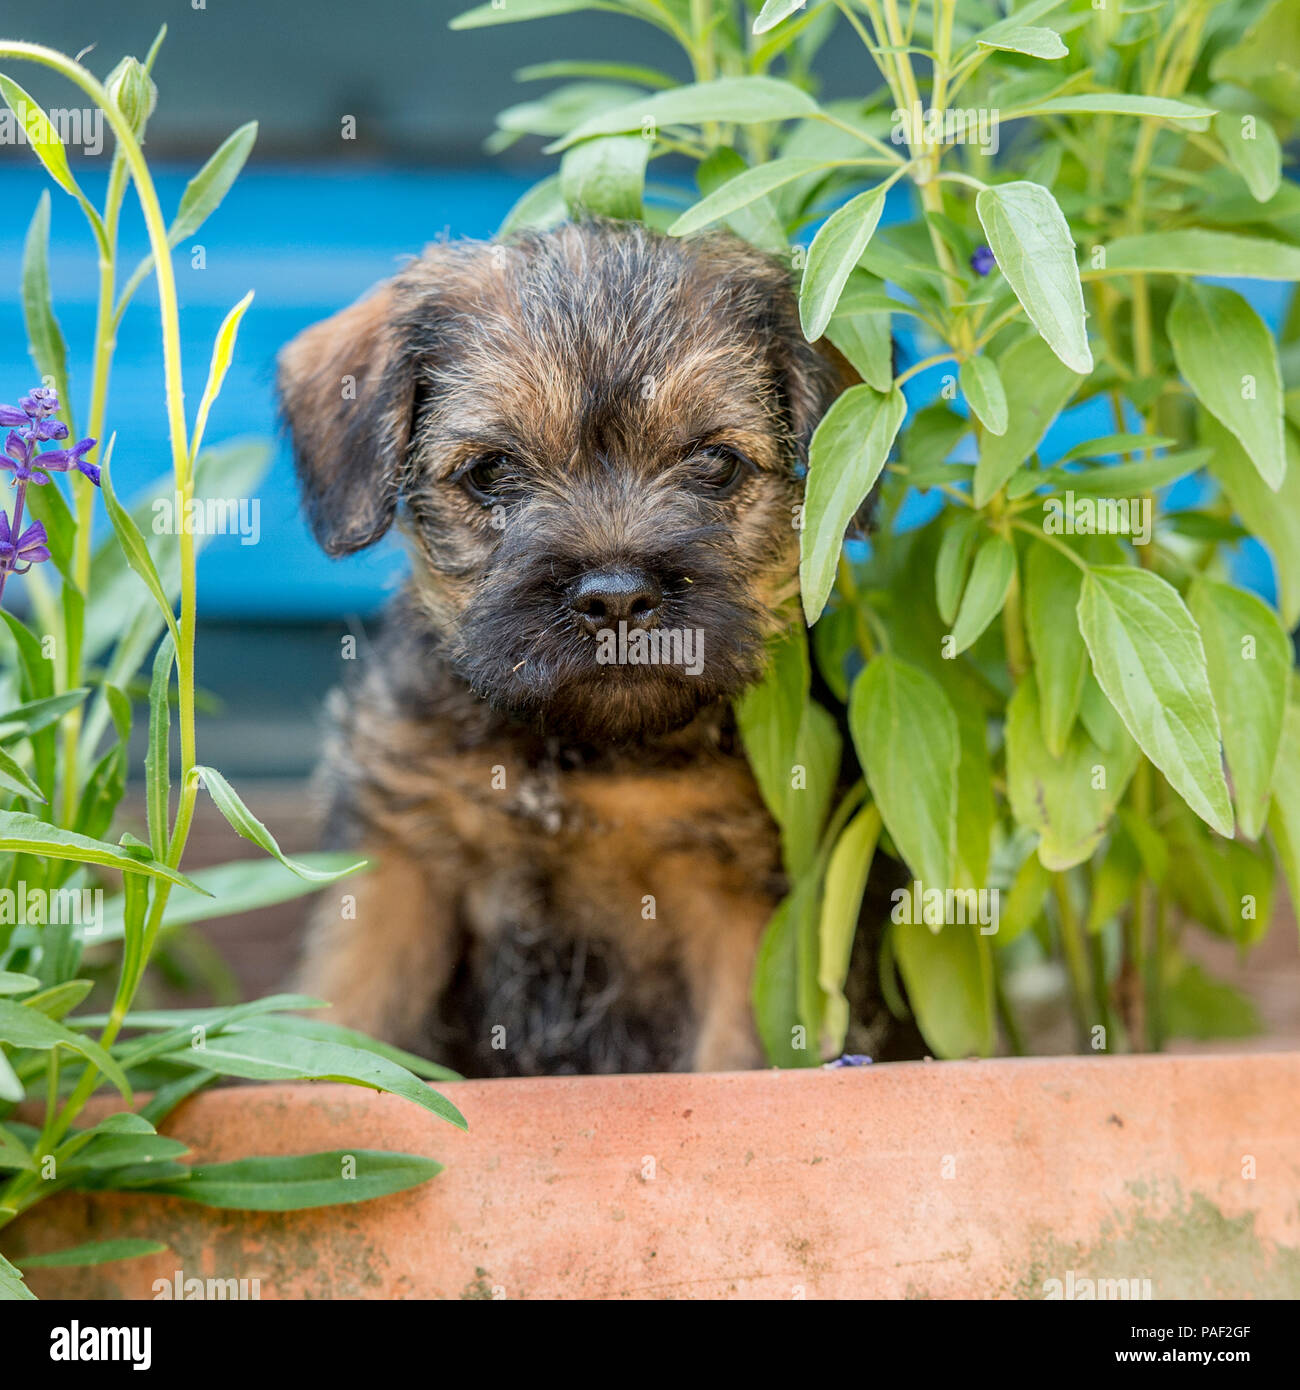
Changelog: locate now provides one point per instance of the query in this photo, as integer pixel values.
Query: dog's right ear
(347, 391)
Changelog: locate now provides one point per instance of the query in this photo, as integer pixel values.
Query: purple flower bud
(983, 260)
(851, 1059)
(31, 546)
(11, 416)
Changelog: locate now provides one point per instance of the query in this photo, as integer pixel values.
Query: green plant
(69, 681)
(1034, 711)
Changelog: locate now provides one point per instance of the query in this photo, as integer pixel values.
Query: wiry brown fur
(574, 854)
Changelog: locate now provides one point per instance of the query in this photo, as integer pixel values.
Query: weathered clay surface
(960, 1179)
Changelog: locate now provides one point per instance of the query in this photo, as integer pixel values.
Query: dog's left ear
(347, 390)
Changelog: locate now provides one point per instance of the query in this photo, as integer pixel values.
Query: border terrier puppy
(592, 439)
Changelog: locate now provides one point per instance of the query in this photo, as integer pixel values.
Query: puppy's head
(595, 436)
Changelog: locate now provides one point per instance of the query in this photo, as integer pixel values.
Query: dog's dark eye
(720, 469)
(488, 477)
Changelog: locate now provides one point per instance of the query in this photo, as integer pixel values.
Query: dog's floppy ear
(814, 375)
(347, 391)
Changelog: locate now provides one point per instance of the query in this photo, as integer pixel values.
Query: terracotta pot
(958, 1179)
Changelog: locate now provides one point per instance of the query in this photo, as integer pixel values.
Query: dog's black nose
(605, 598)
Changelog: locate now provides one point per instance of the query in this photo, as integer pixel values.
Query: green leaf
(1035, 43)
(1225, 351)
(14, 1158)
(1274, 518)
(515, 10)
(60, 999)
(774, 11)
(981, 384)
(1254, 151)
(303, 1181)
(845, 458)
(246, 824)
(135, 550)
(605, 177)
(28, 835)
(613, 72)
(742, 190)
(205, 191)
(49, 352)
(845, 883)
(1043, 385)
(95, 1252)
(834, 252)
(223, 350)
(1024, 904)
(35, 715)
(906, 737)
(1052, 585)
(12, 982)
(990, 581)
(953, 562)
(157, 761)
(1068, 800)
(743, 100)
(541, 207)
(24, 1027)
(756, 222)
(949, 979)
(1192, 251)
(241, 886)
(1248, 656)
(1148, 658)
(1031, 240)
(817, 752)
(123, 1150)
(865, 341)
(1284, 814)
(776, 976)
(11, 1088)
(264, 1056)
(40, 135)
(1118, 104)
(1266, 61)
(1196, 1006)
(12, 1288)
(14, 779)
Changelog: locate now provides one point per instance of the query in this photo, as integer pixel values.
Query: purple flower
(983, 260)
(60, 460)
(19, 455)
(851, 1059)
(31, 423)
(30, 546)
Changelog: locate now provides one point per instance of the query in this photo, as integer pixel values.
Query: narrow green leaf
(12, 1288)
(12, 982)
(1031, 240)
(1228, 357)
(1193, 251)
(1052, 585)
(774, 11)
(135, 550)
(846, 881)
(14, 779)
(246, 824)
(1284, 814)
(263, 1056)
(27, 834)
(300, 1182)
(742, 190)
(906, 737)
(24, 1027)
(835, 251)
(1248, 656)
(744, 100)
(1148, 658)
(981, 384)
(482, 16)
(986, 592)
(49, 351)
(95, 1252)
(223, 350)
(157, 760)
(207, 189)
(40, 133)
(1118, 104)
(847, 454)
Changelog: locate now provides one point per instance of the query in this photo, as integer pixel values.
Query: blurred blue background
(314, 221)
